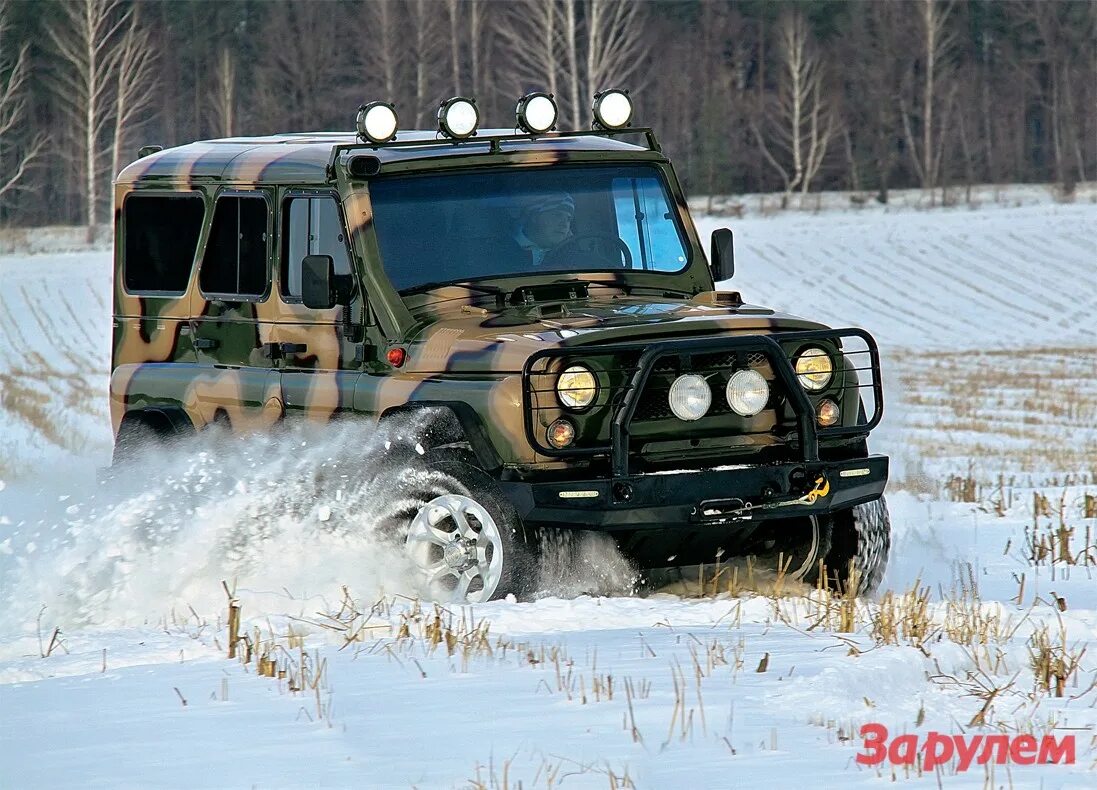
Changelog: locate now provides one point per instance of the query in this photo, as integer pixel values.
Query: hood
(469, 338)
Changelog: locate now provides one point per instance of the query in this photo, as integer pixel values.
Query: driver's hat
(548, 201)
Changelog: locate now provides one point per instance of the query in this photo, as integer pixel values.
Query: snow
(133, 579)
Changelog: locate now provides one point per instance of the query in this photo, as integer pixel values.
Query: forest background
(746, 96)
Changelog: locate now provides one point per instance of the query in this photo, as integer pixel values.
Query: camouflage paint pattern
(210, 359)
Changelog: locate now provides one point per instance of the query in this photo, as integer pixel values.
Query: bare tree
(571, 61)
(937, 68)
(222, 97)
(385, 55)
(301, 78)
(531, 37)
(84, 40)
(134, 85)
(13, 106)
(427, 45)
(800, 122)
(452, 7)
(616, 44)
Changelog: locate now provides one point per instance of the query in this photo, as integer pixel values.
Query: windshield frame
(626, 278)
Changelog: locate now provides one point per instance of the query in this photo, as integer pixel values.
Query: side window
(161, 236)
(310, 226)
(646, 226)
(235, 262)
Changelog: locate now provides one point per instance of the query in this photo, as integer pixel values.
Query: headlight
(690, 397)
(747, 392)
(814, 368)
(576, 387)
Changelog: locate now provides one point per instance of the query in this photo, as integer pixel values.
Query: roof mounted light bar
(493, 144)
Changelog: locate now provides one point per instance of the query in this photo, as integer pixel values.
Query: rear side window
(310, 226)
(161, 236)
(235, 262)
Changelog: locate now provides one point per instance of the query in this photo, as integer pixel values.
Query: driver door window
(310, 226)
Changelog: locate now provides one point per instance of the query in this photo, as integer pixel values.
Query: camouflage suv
(541, 304)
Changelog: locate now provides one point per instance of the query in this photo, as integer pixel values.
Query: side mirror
(317, 282)
(722, 255)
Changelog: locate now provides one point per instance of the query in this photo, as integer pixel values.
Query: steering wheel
(608, 249)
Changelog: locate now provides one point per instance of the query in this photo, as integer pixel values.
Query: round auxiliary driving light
(536, 113)
(561, 434)
(612, 109)
(690, 397)
(747, 392)
(814, 368)
(828, 412)
(576, 388)
(377, 122)
(458, 117)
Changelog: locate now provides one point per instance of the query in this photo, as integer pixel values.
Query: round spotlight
(561, 434)
(747, 392)
(576, 388)
(612, 109)
(458, 117)
(814, 368)
(828, 412)
(377, 122)
(690, 397)
(536, 113)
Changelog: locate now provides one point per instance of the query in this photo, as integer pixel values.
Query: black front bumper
(625, 500)
(721, 496)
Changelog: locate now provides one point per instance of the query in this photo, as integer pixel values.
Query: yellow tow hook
(822, 488)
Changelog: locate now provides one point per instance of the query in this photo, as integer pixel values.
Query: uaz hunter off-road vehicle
(540, 300)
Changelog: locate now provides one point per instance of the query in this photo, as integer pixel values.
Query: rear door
(236, 383)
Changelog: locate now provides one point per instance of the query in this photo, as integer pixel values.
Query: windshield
(465, 226)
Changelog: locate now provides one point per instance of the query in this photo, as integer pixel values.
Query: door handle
(280, 350)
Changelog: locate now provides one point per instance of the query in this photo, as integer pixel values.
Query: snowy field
(114, 621)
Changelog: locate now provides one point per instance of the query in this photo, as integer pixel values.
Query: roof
(304, 157)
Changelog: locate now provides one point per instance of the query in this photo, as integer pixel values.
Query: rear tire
(136, 437)
(860, 544)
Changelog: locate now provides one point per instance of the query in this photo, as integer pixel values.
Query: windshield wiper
(420, 289)
(628, 288)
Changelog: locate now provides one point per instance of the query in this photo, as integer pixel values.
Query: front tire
(860, 544)
(463, 537)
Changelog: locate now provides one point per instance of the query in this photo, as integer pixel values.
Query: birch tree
(427, 38)
(135, 86)
(530, 33)
(616, 45)
(13, 109)
(84, 42)
(933, 111)
(222, 97)
(798, 125)
(385, 54)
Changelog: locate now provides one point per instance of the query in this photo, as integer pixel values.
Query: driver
(544, 224)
